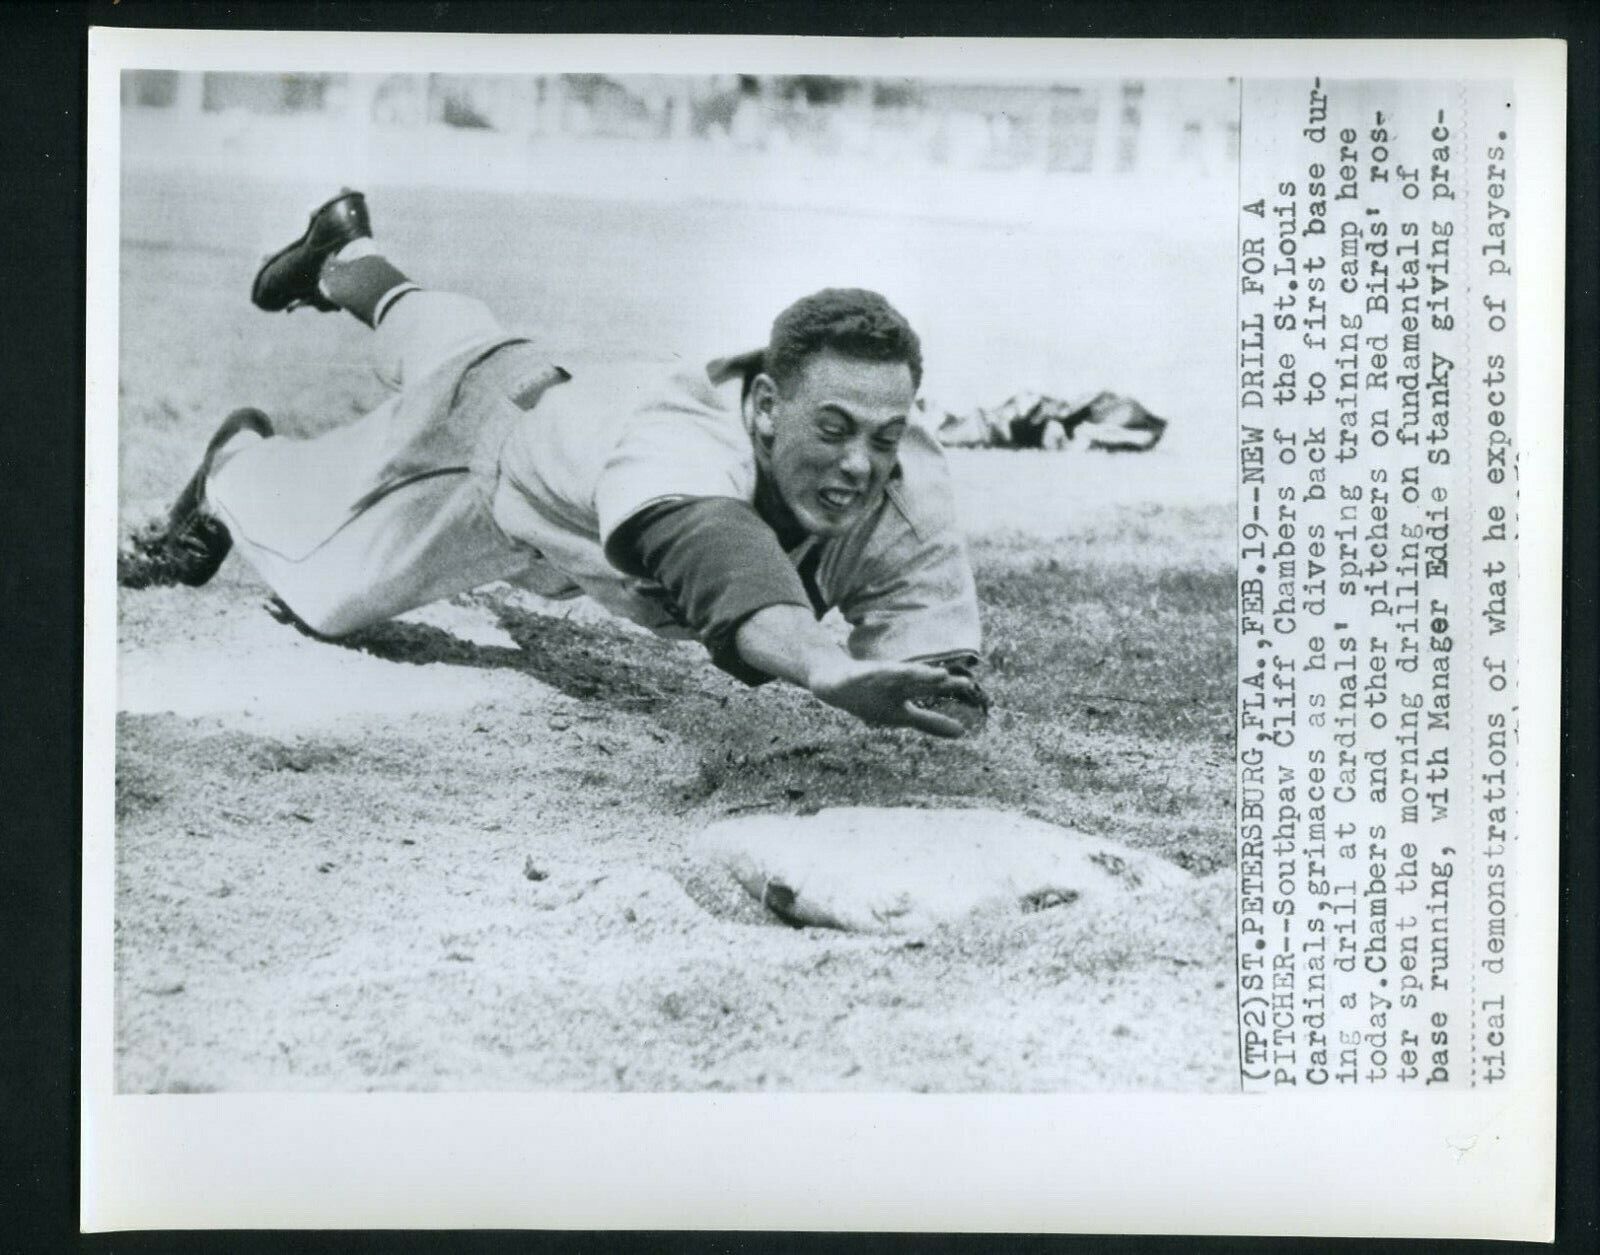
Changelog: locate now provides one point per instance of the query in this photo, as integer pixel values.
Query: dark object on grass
(1103, 420)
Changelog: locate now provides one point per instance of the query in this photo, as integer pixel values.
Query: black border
(42, 206)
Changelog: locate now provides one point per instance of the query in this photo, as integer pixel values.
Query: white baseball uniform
(490, 463)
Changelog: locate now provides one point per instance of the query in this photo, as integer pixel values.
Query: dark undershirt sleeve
(719, 562)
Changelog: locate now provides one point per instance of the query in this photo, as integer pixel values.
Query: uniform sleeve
(718, 561)
(680, 446)
(918, 602)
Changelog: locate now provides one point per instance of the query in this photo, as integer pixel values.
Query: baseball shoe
(288, 278)
(189, 546)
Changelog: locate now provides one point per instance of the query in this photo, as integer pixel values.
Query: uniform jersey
(591, 457)
(490, 463)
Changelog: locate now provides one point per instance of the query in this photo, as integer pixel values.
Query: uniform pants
(384, 514)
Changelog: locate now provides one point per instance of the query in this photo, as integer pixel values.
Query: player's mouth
(838, 500)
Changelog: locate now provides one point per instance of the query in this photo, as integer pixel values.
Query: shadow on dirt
(1048, 752)
(593, 664)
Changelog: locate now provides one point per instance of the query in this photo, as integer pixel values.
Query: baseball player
(736, 503)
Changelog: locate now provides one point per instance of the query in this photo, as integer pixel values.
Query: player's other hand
(886, 694)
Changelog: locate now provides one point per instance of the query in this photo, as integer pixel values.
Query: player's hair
(853, 322)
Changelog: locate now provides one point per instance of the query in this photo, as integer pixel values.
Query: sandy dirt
(431, 863)
(457, 851)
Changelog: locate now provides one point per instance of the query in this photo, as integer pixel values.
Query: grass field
(324, 852)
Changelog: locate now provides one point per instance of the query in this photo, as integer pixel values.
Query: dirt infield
(454, 852)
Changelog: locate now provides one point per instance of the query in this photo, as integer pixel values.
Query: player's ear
(763, 400)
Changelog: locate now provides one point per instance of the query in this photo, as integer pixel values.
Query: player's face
(833, 440)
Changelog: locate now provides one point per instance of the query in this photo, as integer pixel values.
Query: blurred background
(1163, 129)
(1056, 237)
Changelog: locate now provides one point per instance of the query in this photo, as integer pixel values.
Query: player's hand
(884, 694)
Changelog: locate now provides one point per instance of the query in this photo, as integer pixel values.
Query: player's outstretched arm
(785, 641)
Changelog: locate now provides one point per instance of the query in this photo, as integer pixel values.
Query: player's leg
(424, 540)
(338, 265)
(302, 515)
(326, 522)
